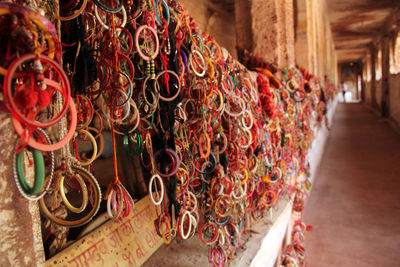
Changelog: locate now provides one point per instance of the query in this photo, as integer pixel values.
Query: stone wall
(266, 29)
(383, 94)
(215, 19)
(367, 93)
(394, 97)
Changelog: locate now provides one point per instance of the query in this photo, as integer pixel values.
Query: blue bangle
(167, 10)
(108, 9)
(207, 170)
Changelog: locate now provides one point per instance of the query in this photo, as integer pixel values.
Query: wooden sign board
(127, 242)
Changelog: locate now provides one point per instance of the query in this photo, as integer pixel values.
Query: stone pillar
(373, 52)
(385, 102)
(289, 30)
(266, 29)
(363, 81)
(244, 33)
(301, 38)
(20, 239)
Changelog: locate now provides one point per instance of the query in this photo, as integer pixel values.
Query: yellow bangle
(65, 199)
(167, 234)
(246, 176)
(210, 68)
(94, 144)
(76, 13)
(100, 146)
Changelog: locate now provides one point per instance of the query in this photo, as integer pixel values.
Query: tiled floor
(355, 201)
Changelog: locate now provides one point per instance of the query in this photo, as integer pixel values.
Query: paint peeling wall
(20, 239)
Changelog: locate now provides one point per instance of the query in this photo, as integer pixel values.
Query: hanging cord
(116, 178)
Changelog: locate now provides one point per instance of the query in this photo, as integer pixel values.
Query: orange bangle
(268, 198)
(204, 154)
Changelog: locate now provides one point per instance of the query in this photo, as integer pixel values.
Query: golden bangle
(64, 198)
(94, 144)
(94, 188)
(74, 15)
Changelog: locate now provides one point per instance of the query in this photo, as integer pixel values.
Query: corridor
(354, 205)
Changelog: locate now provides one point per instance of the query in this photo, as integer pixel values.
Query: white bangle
(161, 197)
(124, 18)
(185, 213)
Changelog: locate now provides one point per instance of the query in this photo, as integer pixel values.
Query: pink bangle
(51, 147)
(142, 28)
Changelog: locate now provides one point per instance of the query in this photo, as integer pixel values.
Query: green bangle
(127, 144)
(150, 124)
(39, 172)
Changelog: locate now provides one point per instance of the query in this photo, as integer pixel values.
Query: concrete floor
(355, 201)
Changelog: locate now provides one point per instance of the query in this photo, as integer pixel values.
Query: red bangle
(210, 227)
(268, 198)
(65, 89)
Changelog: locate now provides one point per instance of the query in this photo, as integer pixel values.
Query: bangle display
(221, 140)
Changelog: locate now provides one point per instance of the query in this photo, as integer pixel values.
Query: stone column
(289, 30)
(301, 38)
(373, 52)
(266, 29)
(385, 102)
(244, 33)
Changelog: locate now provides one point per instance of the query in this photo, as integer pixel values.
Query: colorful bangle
(103, 24)
(108, 9)
(74, 15)
(94, 145)
(127, 141)
(150, 54)
(156, 85)
(166, 9)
